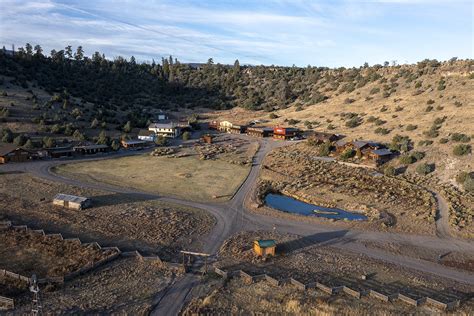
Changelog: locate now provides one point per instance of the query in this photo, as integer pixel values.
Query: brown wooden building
(321, 137)
(285, 133)
(379, 156)
(59, 152)
(134, 144)
(207, 139)
(238, 129)
(13, 153)
(260, 131)
(91, 149)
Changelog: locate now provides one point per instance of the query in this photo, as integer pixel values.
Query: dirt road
(232, 217)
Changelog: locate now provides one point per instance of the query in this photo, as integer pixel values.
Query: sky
(332, 33)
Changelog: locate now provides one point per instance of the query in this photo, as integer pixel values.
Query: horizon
(289, 33)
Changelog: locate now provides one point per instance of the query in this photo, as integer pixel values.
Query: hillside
(70, 96)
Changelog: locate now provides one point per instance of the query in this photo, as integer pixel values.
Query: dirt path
(442, 217)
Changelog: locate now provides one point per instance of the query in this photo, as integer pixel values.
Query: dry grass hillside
(429, 110)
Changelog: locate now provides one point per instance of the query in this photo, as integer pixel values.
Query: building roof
(163, 124)
(7, 148)
(266, 243)
(91, 146)
(145, 132)
(70, 198)
(134, 141)
(341, 142)
(260, 129)
(363, 143)
(382, 152)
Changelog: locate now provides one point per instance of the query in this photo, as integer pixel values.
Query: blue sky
(281, 32)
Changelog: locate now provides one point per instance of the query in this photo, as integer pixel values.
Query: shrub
(469, 184)
(443, 140)
(186, 135)
(371, 119)
(461, 150)
(429, 108)
(349, 101)
(430, 101)
(383, 109)
(457, 104)
(374, 90)
(411, 127)
(115, 145)
(432, 132)
(379, 122)
(324, 149)
(418, 84)
(273, 116)
(389, 171)
(401, 143)
(347, 154)
(418, 155)
(127, 128)
(353, 122)
(406, 159)
(425, 168)
(382, 131)
(459, 137)
(439, 120)
(398, 109)
(20, 140)
(462, 176)
(331, 127)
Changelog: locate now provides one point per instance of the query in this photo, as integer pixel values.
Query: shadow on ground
(326, 238)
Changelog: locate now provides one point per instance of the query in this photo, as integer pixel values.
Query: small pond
(291, 205)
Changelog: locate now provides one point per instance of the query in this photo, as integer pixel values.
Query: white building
(147, 135)
(166, 129)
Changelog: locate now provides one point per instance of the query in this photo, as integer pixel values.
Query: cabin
(321, 137)
(13, 153)
(238, 129)
(362, 147)
(134, 144)
(379, 156)
(264, 247)
(225, 126)
(91, 149)
(286, 133)
(168, 129)
(260, 131)
(147, 135)
(71, 201)
(214, 125)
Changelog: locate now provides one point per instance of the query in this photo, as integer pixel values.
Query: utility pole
(36, 308)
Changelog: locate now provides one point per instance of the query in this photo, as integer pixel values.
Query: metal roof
(91, 147)
(382, 152)
(163, 124)
(70, 198)
(265, 243)
(133, 142)
(145, 132)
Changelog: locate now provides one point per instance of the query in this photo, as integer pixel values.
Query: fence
(332, 290)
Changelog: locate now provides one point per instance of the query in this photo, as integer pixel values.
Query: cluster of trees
(121, 83)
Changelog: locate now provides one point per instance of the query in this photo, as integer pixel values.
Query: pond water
(291, 205)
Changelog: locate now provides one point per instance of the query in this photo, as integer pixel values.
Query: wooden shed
(13, 153)
(379, 156)
(264, 247)
(58, 152)
(260, 131)
(134, 144)
(71, 201)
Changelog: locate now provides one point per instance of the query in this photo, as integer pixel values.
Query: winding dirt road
(232, 217)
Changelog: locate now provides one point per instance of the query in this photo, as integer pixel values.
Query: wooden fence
(346, 289)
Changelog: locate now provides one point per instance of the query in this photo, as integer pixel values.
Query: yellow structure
(264, 248)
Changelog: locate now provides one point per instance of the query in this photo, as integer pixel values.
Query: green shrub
(432, 132)
(324, 149)
(458, 137)
(406, 160)
(389, 171)
(371, 119)
(347, 154)
(418, 155)
(398, 109)
(273, 116)
(462, 176)
(469, 184)
(430, 101)
(331, 127)
(425, 168)
(374, 90)
(383, 108)
(461, 150)
(429, 108)
(382, 131)
(443, 140)
(411, 127)
(20, 140)
(186, 136)
(379, 122)
(353, 122)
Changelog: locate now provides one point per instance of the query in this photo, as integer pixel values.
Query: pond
(291, 205)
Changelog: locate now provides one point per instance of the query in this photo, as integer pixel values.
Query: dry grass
(186, 177)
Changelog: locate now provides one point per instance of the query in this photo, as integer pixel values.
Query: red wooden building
(285, 133)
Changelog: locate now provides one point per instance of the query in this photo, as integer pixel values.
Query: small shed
(135, 144)
(264, 247)
(380, 156)
(12, 153)
(71, 201)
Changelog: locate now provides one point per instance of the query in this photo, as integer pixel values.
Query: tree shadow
(325, 238)
(120, 198)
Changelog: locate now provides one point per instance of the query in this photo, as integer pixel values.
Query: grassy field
(186, 177)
